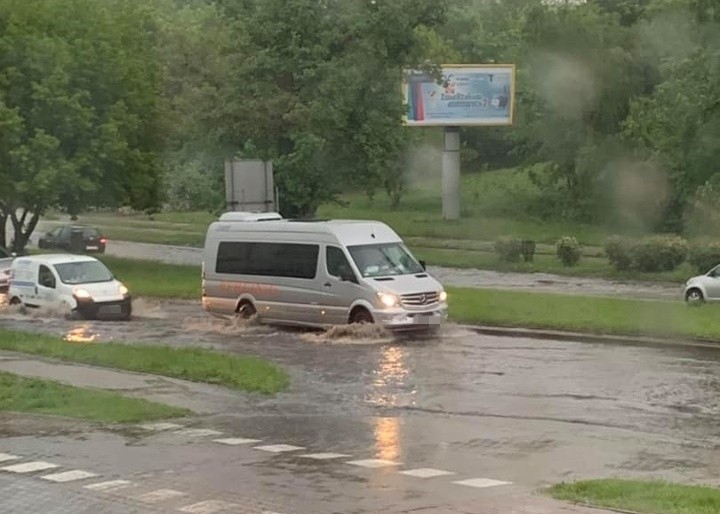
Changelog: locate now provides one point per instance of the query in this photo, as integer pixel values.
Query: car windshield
(380, 260)
(84, 272)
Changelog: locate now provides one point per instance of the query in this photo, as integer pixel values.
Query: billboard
(472, 94)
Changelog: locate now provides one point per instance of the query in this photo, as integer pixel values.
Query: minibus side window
(268, 259)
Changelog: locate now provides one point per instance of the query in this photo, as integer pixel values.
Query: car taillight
(103, 240)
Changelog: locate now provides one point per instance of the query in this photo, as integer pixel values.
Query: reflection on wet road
(525, 410)
(82, 333)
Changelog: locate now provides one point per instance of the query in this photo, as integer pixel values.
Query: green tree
(679, 123)
(578, 73)
(200, 49)
(78, 108)
(319, 91)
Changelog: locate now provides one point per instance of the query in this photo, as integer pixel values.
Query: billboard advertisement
(466, 95)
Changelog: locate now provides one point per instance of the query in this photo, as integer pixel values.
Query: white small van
(83, 285)
(317, 273)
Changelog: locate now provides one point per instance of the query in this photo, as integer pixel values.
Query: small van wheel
(361, 315)
(694, 297)
(246, 310)
(15, 301)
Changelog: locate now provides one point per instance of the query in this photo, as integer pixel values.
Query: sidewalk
(200, 398)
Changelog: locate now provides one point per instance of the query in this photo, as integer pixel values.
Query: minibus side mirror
(423, 264)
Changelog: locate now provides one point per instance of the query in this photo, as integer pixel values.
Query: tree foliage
(121, 102)
(318, 92)
(78, 108)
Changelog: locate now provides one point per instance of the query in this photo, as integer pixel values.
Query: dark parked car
(5, 260)
(74, 239)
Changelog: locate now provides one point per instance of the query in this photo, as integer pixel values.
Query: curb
(584, 337)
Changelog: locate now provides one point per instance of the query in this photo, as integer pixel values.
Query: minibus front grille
(419, 299)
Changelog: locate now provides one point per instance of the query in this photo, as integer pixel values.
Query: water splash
(358, 334)
(223, 326)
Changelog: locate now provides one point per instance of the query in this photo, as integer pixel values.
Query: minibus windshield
(379, 260)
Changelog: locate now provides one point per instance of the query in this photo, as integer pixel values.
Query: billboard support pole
(451, 173)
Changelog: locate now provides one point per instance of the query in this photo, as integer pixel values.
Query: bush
(660, 253)
(527, 248)
(568, 250)
(508, 249)
(619, 252)
(704, 256)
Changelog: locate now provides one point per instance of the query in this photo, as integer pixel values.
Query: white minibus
(317, 273)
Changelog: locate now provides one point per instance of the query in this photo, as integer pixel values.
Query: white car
(5, 263)
(82, 285)
(703, 287)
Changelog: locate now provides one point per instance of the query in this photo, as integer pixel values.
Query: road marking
(69, 476)
(111, 485)
(30, 467)
(426, 472)
(279, 448)
(373, 463)
(198, 432)
(6, 457)
(160, 495)
(236, 440)
(325, 456)
(207, 507)
(481, 482)
(157, 427)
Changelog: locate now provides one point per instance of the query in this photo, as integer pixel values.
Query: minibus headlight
(123, 290)
(388, 300)
(81, 293)
(443, 296)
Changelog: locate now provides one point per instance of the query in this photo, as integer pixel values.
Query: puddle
(144, 308)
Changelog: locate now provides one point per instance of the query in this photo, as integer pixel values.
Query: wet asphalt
(527, 411)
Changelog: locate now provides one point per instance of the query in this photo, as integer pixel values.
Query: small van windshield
(85, 272)
(384, 259)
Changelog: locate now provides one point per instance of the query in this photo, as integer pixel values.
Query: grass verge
(195, 364)
(150, 278)
(584, 314)
(21, 394)
(641, 496)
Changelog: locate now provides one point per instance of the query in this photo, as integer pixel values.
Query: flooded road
(525, 410)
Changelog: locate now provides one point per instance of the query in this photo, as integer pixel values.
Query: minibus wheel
(361, 315)
(246, 309)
